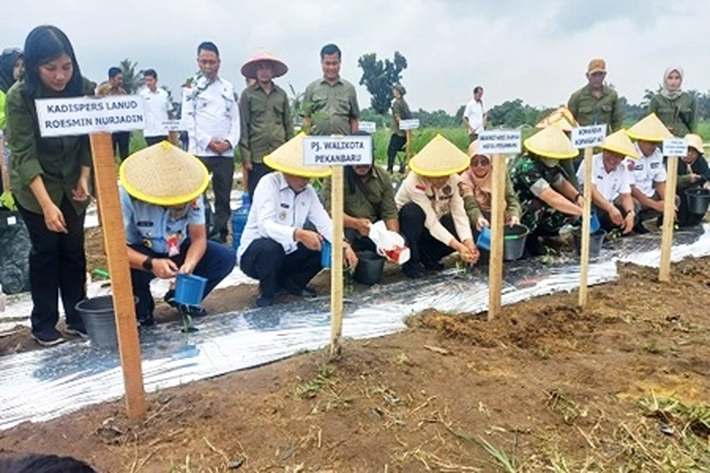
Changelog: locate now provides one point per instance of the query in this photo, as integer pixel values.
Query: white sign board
(85, 115)
(588, 136)
(172, 125)
(337, 150)
(675, 147)
(499, 142)
(367, 127)
(411, 124)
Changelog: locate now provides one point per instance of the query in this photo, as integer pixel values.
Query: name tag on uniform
(144, 223)
(285, 206)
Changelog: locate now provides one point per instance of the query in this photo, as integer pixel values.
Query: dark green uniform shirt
(679, 115)
(266, 122)
(372, 199)
(589, 110)
(330, 107)
(399, 109)
(57, 160)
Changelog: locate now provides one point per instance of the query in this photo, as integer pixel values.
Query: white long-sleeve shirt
(210, 110)
(277, 212)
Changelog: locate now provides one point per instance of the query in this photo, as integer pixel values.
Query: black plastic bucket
(595, 242)
(99, 321)
(369, 268)
(514, 241)
(698, 200)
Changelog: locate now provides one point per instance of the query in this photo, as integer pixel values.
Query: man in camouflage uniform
(547, 197)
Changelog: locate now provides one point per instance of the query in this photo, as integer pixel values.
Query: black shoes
(48, 339)
(413, 270)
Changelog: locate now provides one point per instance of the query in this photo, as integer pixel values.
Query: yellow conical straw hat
(163, 174)
(439, 158)
(288, 158)
(695, 141)
(619, 142)
(561, 118)
(551, 142)
(650, 128)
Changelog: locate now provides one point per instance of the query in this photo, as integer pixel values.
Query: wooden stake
(336, 265)
(586, 229)
(115, 247)
(495, 264)
(409, 145)
(664, 271)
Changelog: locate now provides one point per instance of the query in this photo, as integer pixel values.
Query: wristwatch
(148, 264)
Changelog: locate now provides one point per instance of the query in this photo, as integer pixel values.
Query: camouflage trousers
(542, 219)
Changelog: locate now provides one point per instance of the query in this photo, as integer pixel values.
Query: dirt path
(621, 386)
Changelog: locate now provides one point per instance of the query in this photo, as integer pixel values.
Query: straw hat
(619, 142)
(695, 141)
(561, 118)
(288, 158)
(473, 150)
(551, 142)
(439, 158)
(163, 174)
(650, 128)
(278, 66)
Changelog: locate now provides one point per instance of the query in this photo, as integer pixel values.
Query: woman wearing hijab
(477, 191)
(50, 183)
(675, 107)
(12, 64)
(693, 172)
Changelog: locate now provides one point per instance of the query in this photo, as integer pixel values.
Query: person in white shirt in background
(275, 248)
(611, 183)
(475, 116)
(648, 184)
(157, 108)
(210, 114)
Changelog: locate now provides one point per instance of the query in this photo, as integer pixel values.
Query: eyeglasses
(480, 161)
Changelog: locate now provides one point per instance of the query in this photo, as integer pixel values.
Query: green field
(420, 137)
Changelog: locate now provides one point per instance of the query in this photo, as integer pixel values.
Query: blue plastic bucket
(484, 239)
(594, 223)
(189, 289)
(326, 254)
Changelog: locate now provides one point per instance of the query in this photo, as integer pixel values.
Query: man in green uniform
(265, 114)
(369, 197)
(593, 104)
(400, 111)
(546, 196)
(330, 103)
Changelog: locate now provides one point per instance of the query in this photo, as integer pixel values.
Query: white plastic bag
(389, 244)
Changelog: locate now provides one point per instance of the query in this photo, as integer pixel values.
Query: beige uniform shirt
(435, 203)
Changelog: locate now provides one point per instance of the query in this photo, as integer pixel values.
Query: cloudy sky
(536, 50)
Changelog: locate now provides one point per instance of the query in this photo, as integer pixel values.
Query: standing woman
(50, 183)
(675, 108)
(400, 111)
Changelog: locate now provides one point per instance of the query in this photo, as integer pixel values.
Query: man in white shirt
(157, 107)
(475, 116)
(210, 114)
(275, 248)
(611, 183)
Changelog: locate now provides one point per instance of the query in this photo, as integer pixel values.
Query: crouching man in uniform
(164, 218)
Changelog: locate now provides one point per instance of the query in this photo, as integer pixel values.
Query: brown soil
(619, 386)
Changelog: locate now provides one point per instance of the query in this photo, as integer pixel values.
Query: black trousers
(604, 220)
(258, 170)
(217, 262)
(121, 140)
(266, 260)
(423, 246)
(222, 169)
(151, 140)
(57, 266)
(396, 145)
